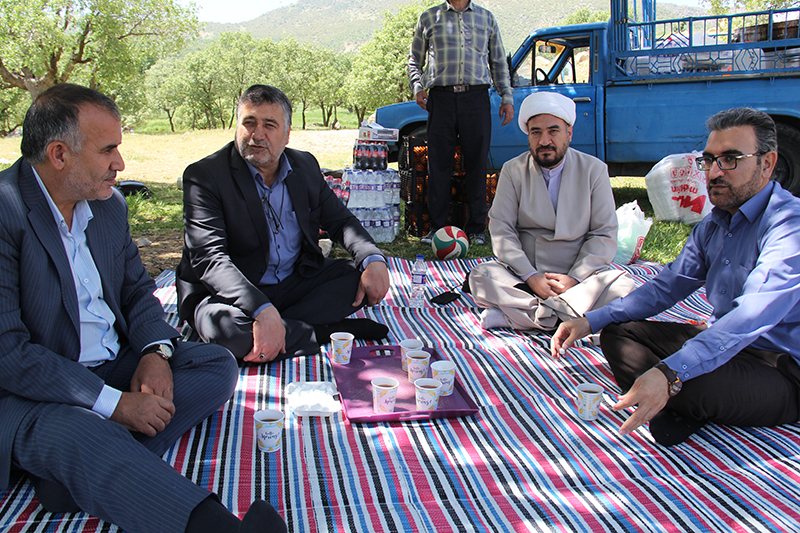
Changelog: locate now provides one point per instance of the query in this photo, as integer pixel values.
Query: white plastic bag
(633, 228)
(677, 189)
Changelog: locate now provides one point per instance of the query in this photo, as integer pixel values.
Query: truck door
(562, 65)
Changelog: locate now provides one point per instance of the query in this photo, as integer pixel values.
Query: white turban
(545, 102)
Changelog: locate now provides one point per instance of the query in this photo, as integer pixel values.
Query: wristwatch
(162, 349)
(674, 384)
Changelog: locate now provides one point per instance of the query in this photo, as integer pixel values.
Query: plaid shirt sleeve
(459, 49)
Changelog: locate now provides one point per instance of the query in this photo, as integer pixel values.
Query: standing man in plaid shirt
(455, 55)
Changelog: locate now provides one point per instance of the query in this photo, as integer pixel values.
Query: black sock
(361, 328)
(668, 428)
(54, 497)
(262, 518)
(210, 516)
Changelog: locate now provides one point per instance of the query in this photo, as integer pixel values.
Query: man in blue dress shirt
(741, 368)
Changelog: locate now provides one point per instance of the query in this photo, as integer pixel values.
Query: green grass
(160, 214)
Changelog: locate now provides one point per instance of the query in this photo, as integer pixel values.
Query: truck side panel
(645, 122)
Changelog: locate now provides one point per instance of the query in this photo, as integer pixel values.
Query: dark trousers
(325, 298)
(754, 388)
(465, 119)
(116, 475)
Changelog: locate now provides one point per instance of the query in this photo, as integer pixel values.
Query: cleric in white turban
(547, 103)
(553, 226)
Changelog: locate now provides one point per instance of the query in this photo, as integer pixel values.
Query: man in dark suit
(93, 386)
(253, 277)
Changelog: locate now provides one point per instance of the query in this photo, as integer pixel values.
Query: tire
(402, 159)
(787, 170)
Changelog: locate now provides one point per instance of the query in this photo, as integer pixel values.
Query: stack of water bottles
(374, 198)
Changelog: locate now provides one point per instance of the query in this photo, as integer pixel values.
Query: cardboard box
(368, 133)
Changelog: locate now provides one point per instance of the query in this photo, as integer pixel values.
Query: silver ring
(261, 356)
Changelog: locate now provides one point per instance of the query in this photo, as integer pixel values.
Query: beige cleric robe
(527, 236)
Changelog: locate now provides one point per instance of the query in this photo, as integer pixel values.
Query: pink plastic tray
(368, 362)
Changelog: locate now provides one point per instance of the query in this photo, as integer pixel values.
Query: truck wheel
(787, 170)
(402, 158)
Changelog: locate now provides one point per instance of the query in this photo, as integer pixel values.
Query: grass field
(158, 160)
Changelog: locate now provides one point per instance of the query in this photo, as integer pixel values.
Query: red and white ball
(449, 242)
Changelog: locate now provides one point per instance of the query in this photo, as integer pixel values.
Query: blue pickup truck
(644, 89)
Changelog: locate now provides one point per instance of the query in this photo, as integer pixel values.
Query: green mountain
(343, 25)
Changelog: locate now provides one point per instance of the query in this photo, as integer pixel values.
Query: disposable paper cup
(428, 391)
(444, 371)
(342, 347)
(406, 346)
(588, 401)
(384, 395)
(417, 363)
(269, 430)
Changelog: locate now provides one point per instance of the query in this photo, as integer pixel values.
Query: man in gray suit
(93, 386)
(553, 227)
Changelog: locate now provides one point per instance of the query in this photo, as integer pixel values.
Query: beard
(729, 198)
(547, 158)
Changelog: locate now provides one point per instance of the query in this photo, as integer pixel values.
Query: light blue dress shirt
(285, 235)
(99, 339)
(750, 265)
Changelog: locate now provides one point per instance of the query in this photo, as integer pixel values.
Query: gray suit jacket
(227, 235)
(527, 234)
(39, 316)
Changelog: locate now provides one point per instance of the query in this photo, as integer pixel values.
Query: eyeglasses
(725, 162)
(273, 217)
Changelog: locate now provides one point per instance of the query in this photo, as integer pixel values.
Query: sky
(235, 10)
(243, 10)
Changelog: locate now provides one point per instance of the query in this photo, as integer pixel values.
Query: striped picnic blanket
(525, 462)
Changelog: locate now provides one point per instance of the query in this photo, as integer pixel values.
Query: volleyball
(449, 242)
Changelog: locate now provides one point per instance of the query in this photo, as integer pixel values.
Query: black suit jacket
(226, 239)
(39, 315)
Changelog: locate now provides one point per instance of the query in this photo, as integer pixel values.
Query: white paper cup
(342, 347)
(269, 430)
(384, 395)
(406, 346)
(428, 391)
(588, 401)
(417, 363)
(444, 371)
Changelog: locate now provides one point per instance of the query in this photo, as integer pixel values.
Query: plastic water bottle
(388, 224)
(418, 274)
(377, 178)
(388, 188)
(395, 221)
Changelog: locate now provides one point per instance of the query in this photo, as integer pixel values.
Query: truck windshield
(565, 61)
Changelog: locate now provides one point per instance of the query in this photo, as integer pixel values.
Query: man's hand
(153, 376)
(560, 283)
(374, 283)
(422, 100)
(566, 335)
(651, 392)
(143, 412)
(545, 285)
(269, 336)
(506, 112)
